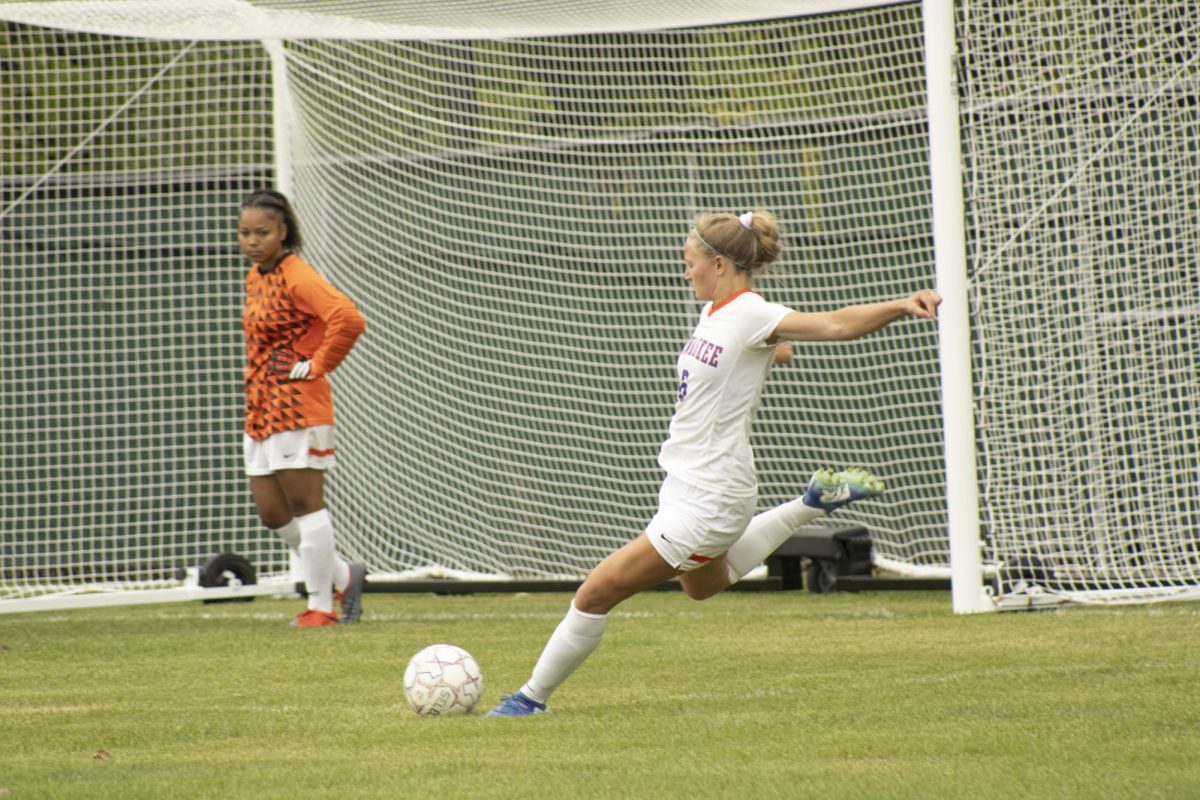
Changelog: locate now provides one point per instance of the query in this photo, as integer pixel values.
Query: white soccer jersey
(721, 373)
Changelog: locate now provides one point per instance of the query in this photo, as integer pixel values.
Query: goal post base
(280, 587)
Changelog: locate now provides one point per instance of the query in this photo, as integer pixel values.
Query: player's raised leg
(827, 491)
(634, 568)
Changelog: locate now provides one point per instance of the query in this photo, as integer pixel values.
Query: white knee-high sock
(765, 533)
(290, 534)
(571, 643)
(316, 558)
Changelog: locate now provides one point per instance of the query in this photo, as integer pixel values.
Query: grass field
(748, 695)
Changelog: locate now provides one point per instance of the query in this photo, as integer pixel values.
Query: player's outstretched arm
(853, 322)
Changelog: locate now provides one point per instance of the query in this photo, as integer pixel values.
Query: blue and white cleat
(829, 491)
(516, 705)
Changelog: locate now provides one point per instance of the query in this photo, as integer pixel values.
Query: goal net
(122, 162)
(1080, 133)
(509, 215)
(504, 189)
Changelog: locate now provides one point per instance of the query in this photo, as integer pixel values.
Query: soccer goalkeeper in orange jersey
(298, 328)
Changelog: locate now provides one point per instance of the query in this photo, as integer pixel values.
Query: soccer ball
(443, 681)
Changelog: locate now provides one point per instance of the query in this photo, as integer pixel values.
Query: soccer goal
(504, 188)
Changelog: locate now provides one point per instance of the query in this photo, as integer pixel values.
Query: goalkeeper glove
(288, 365)
(303, 371)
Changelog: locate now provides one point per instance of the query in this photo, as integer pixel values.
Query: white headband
(746, 219)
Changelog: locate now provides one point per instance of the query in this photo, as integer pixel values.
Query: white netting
(509, 215)
(1081, 126)
(122, 160)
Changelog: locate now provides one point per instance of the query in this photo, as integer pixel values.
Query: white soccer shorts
(692, 526)
(306, 448)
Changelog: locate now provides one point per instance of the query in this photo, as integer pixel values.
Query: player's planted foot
(516, 705)
(313, 619)
(829, 490)
(350, 600)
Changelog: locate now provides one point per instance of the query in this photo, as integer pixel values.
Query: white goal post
(503, 188)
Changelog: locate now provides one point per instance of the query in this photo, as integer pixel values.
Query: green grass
(768, 695)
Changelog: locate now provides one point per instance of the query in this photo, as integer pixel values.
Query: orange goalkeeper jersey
(292, 313)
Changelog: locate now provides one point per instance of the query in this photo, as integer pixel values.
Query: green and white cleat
(829, 490)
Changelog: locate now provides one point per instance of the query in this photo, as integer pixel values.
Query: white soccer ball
(443, 680)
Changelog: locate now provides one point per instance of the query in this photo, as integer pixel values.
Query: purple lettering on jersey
(703, 350)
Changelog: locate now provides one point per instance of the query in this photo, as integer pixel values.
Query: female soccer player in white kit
(705, 530)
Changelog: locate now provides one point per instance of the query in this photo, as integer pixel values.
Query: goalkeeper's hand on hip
(303, 370)
(288, 365)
